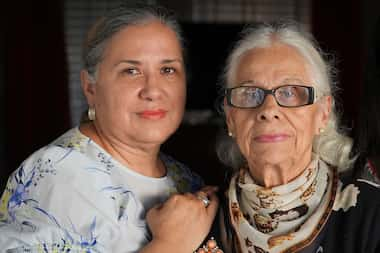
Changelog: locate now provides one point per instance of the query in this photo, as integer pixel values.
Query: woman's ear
(325, 111)
(88, 87)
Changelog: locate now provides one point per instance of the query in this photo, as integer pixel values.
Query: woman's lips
(152, 114)
(271, 138)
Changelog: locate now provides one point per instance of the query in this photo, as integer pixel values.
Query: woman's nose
(151, 89)
(269, 110)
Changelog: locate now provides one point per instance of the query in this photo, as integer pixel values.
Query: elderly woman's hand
(183, 221)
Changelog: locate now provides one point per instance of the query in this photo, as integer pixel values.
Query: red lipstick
(153, 114)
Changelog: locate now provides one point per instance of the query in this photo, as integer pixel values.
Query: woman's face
(270, 134)
(139, 94)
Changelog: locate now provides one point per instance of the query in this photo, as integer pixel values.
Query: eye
(130, 71)
(253, 92)
(250, 93)
(168, 70)
(288, 92)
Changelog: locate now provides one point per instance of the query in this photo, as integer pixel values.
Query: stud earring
(321, 130)
(230, 134)
(91, 113)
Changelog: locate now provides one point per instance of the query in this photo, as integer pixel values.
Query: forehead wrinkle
(274, 64)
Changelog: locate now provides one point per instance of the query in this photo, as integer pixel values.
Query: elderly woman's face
(270, 134)
(139, 94)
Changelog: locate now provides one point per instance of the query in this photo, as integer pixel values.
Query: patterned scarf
(284, 218)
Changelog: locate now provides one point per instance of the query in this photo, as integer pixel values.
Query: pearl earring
(91, 113)
(321, 130)
(230, 134)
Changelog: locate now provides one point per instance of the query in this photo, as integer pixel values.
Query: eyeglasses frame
(311, 100)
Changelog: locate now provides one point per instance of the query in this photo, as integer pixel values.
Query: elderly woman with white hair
(288, 192)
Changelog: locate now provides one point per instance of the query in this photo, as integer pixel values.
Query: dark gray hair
(333, 145)
(117, 19)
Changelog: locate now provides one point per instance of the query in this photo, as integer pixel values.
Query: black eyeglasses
(285, 96)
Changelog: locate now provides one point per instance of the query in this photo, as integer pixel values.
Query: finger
(205, 192)
(213, 197)
(159, 206)
(213, 205)
(206, 199)
(177, 197)
(208, 192)
(201, 194)
(209, 189)
(191, 196)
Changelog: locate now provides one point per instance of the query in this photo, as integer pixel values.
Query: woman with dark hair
(105, 186)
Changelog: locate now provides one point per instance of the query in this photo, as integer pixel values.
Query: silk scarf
(284, 218)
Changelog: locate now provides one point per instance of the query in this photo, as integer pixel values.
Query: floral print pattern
(281, 218)
(66, 197)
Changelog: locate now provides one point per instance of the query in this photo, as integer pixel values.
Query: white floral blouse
(72, 196)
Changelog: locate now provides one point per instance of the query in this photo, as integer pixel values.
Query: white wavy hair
(333, 145)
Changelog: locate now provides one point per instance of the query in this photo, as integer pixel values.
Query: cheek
(305, 129)
(243, 131)
(245, 121)
(180, 96)
(177, 95)
(112, 99)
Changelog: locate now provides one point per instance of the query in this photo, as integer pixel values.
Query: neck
(270, 175)
(139, 157)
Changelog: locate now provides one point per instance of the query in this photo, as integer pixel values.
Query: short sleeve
(44, 210)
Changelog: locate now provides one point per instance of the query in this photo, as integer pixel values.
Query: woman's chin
(153, 134)
(271, 156)
(158, 139)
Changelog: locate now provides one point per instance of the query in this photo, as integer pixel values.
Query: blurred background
(40, 61)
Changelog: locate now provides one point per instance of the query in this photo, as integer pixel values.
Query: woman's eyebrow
(133, 62)
(136, 62)
(249, 81)
(166, 61)
(290, 79)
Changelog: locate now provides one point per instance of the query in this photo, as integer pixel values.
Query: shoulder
(58, 149)
(369, 191)
(356, 215)
(359, 189)
(185, 179)
(370, 172)
(56, 167)
(357, 196)
(64, 152)
(41, 164)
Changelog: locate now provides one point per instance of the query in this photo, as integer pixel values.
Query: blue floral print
(68, 197)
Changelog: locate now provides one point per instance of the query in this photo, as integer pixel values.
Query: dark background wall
(337, 26)
(33, 78)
